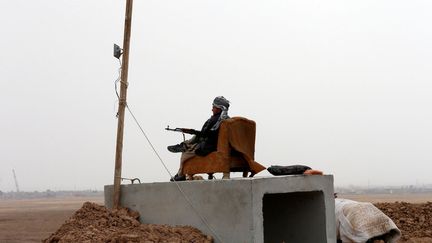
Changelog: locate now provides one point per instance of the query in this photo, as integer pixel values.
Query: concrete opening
(294, 217)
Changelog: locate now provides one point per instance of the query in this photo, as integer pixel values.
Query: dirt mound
(96, 223)
(414, 220)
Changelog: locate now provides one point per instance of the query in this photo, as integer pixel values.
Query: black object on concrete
(287, 170)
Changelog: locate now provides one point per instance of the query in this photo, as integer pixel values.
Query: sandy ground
(35, 219)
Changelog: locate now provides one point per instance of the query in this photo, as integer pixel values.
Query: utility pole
(122, 103)
(16, 181)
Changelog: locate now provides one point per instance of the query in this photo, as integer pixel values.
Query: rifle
(183, 130)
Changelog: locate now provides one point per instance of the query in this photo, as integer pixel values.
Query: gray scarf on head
(223, 104)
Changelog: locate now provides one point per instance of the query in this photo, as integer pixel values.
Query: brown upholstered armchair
(235, 151)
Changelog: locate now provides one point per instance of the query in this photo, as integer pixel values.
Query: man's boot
(178, 178)
(178, 148)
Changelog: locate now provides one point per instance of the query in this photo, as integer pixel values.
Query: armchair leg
(245, 173)
(226, 175)
(210, 176)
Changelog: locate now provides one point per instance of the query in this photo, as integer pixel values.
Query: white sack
(360, 221)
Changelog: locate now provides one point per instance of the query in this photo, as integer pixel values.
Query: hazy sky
(342, 86)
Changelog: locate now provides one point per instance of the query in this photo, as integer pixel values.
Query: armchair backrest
(237, 133)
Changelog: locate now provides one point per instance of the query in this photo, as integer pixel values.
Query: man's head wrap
(221, 103)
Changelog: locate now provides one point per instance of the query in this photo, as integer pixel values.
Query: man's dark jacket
(207, 138)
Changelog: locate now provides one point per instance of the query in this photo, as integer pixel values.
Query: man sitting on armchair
(204, 141)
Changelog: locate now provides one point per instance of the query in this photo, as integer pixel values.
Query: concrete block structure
(297, 209)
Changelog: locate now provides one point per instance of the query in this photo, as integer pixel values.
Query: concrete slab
(272, 209)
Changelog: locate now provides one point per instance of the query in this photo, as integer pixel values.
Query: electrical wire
(118, 79)
(163, 163)
(176, 182)
(115, 85)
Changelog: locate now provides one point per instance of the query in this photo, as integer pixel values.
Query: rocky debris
(414, 220)
(96, 223)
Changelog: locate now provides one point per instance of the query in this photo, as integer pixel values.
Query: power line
(166, 168)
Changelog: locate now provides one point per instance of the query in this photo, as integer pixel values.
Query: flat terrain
(31, 220)
(379, 198)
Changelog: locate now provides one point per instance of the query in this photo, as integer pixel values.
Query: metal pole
(122, 103)
(16, 181)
